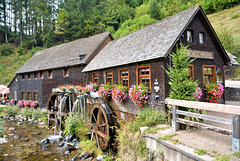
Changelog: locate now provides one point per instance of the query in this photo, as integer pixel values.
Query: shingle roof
(58, 56)
(232, 59)
(153, 41)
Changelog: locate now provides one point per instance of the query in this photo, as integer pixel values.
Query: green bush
(36, 114)
(20, 50)
(91, 147)
(44, 118)
(74, 124)
(10, 111)
(27, 112)
(6, 50)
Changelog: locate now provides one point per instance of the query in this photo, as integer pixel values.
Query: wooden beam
(205, 126)
(205, 117)
(230, 109)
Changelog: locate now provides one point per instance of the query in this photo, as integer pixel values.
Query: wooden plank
(230, 109)
(205, 126)
(174, 118)
(205, 117)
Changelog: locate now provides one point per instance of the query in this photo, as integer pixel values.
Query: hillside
(10, 64)
(228, 20)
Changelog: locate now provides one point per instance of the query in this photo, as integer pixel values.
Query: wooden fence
(229, 109)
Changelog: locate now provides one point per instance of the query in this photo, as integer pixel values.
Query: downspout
(227, 70)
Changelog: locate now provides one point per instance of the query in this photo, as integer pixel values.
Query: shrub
(27, 112)
(6, 50)
(44, 118)
(74, 124)
(91, 147)
(11, 111)
(119, 93)
(214, 92)
(36, 114)
(139, 95)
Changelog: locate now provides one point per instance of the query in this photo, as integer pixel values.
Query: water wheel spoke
(52, 103)
(102, 134)
(104, 124)
(94, 118)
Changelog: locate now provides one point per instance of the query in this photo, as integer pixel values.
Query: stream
(24, 142)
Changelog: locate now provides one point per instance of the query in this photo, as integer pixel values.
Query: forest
(27, 26)
(45, 23)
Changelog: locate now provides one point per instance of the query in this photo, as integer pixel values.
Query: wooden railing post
(174, 118)
(236, 134)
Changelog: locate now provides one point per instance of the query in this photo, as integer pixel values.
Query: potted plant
(214, 92)
(20, 103)
(119, 93)
(139, 95)
(33, 104)
(26, 103)
(105, 91)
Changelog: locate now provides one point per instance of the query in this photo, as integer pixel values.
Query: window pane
(143, 71)
(126, 73)
(189, 36)
(201, 38)
(109, 74)
(147, 71)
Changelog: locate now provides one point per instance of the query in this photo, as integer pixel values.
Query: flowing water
(24, 143)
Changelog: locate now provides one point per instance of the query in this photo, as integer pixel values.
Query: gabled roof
(60, 55)
(232, 58)
(151, 42)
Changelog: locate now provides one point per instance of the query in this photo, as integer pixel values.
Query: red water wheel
(101, 121)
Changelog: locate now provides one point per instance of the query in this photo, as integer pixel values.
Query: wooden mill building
(132, 59)
(58, 65)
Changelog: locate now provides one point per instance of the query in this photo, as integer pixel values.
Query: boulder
(84, 155)
(99, 158)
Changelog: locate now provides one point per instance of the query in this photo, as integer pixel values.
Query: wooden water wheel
(101, 121)
(53, 102)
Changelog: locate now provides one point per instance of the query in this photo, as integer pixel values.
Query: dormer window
(189, 36)
(201, 38)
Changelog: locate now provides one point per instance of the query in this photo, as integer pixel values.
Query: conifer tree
(182, 86)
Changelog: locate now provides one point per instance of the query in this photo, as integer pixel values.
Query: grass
(10, 64)
(91, 147)
(237, 154)
(166, 137)
(155, 129)
(200, 151)
(223, 158)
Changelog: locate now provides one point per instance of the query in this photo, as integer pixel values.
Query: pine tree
(182, 86)
(155, 10)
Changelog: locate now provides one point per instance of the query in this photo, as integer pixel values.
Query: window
(29, 96)
(219, 76)
(124, 76)
(144, 76)
(50, 74)
(209, 75)
(191, 72)
(35, 96)
(40, 74)
(29, 76)
(201, 38)
(189, 36)
(23, 95)
(109, 77)
(95, 78)
(35, 75)
(15, 95)
(65, 72)
(23, 76)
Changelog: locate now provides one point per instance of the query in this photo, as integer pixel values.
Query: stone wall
(232, 93)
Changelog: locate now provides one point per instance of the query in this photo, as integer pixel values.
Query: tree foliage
(182, 86)
(132, 25)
